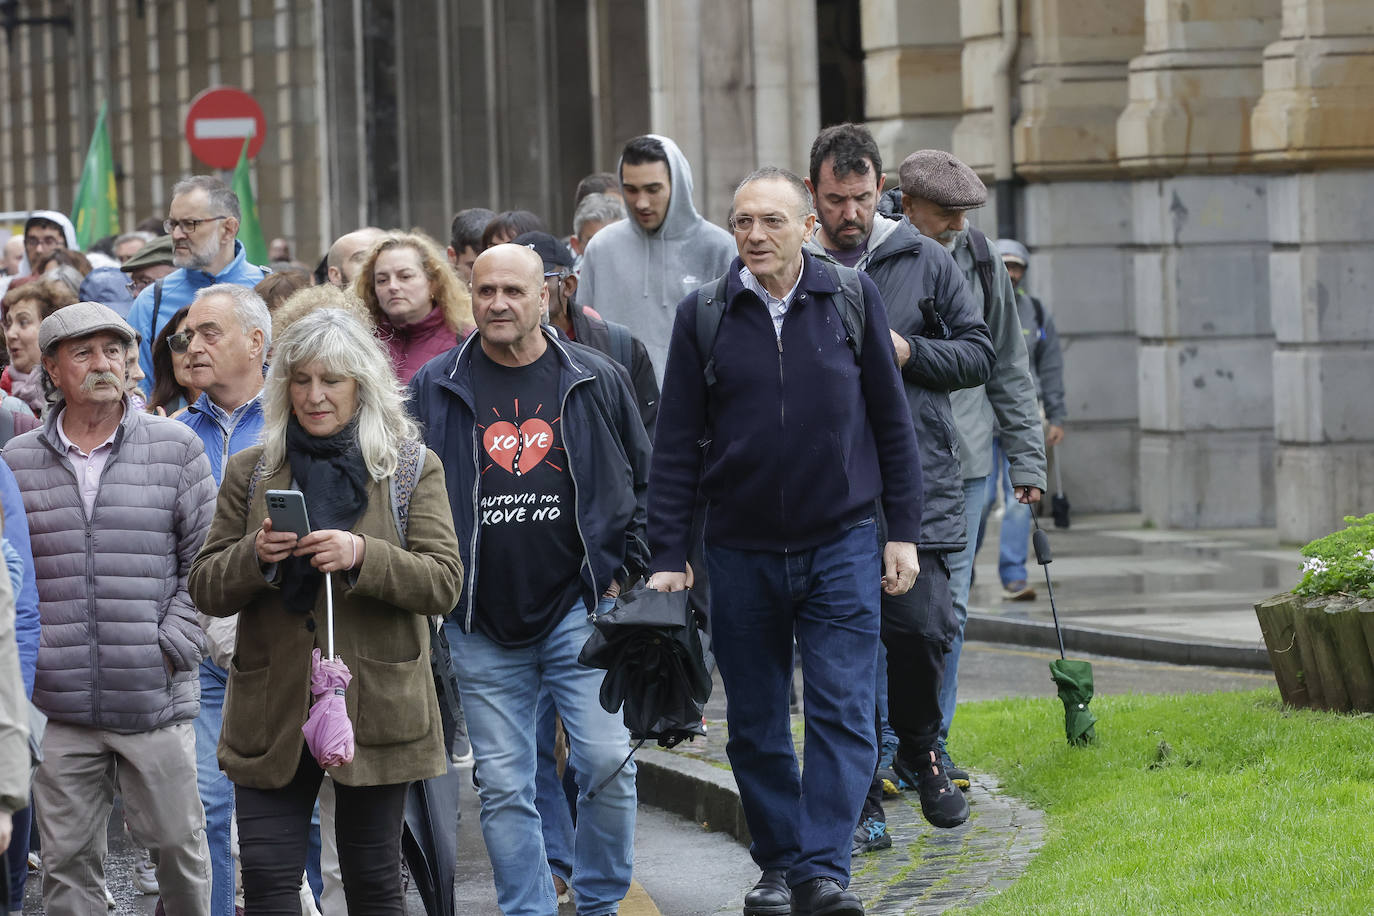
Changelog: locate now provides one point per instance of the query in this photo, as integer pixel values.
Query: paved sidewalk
(1123, 589)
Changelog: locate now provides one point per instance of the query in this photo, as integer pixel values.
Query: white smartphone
(286, 509)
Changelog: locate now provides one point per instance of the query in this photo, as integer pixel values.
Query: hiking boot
(870, 836)
(825, 897)
(1020, 590)
(145, 874)
(957, 775)
(770, 896)
(941, 803)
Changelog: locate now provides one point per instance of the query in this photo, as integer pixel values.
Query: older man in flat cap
(937, 191)
(118, 503)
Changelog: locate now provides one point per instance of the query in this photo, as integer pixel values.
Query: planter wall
(1320, 650)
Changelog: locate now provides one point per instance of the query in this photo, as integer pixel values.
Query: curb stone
(927, 870)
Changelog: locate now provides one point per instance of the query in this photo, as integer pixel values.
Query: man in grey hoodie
(637, 270)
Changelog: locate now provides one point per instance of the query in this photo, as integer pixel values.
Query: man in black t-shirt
(547, 467)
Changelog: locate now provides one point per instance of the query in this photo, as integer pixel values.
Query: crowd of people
(802, 416)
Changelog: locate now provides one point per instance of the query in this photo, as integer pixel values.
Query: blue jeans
(549, 797)
(960, 578)
(501, 690)
(216, 792)
(1016, 522)
(826, 597)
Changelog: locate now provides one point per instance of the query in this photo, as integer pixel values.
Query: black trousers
(273, 828)
(917, 630)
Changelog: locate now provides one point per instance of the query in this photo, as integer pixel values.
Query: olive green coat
(381, 632)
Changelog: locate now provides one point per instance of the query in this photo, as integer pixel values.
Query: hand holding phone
(286, 523)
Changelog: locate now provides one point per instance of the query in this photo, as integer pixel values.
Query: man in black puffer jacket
(942, 345)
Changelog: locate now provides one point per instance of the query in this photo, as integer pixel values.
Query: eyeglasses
(771, 223)
(137, 286)
(188, 226)
(180, 342)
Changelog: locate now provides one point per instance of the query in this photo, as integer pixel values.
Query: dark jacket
(802, 440)
(595, 332)
(955, 353)
(607, 450)
(1046, 355)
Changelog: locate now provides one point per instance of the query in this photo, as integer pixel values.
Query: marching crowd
(800, 417)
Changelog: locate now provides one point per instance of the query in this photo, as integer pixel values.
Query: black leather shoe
(824, 897)
(770, 897)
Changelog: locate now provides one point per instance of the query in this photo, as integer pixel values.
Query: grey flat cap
(158, 251)
(81, 320)
(942, 179)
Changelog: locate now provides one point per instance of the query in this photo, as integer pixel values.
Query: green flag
(96, 211)
(250, 231)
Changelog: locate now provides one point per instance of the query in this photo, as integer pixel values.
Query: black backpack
(849, 305)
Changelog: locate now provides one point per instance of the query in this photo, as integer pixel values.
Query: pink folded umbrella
(328, 731)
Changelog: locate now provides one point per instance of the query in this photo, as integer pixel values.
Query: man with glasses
(202, 222)
(790, 421)
(149, 264)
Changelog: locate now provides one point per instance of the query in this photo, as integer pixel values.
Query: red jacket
(416, 344)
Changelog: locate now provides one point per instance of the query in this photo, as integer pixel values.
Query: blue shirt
(178, 289)
(224, 432)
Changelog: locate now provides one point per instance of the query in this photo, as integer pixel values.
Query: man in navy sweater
(793, 442)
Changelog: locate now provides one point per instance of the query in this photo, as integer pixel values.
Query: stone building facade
(1195, 178)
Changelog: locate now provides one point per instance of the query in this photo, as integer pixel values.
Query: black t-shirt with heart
(530, 554)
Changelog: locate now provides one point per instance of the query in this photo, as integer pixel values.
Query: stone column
(1316, 114)
(1201, 269)
(734, 84)
(1077, 218)
(912, 93)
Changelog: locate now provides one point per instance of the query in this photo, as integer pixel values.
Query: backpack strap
(157, 310)
(621, 350)
(850, 305)
(710, 311)
(1039, 314)
(982, 262)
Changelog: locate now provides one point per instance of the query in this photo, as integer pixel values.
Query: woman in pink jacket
(420, 306)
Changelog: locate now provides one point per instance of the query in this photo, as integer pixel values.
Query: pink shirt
(87, 467)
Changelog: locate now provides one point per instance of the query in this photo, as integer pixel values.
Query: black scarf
(332, 474)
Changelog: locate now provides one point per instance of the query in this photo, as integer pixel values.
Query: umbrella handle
(329, 610)
(1043, 557)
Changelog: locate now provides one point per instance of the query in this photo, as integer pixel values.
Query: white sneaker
(145, 874)
(109, 899)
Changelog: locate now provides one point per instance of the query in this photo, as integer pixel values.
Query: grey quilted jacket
(112, 587)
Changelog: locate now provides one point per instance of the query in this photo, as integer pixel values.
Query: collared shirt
(86, 465)
(777, 308)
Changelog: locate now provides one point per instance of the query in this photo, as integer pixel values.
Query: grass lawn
(1203, 803)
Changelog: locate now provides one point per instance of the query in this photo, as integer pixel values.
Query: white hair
(598, 208)
(343, 345)
(249, 309)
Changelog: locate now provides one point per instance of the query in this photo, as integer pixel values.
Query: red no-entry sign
(217, 123)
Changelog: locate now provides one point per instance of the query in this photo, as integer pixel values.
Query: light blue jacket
(178, 289)
(221, 438)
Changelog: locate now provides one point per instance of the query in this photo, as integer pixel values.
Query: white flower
(1316, 565)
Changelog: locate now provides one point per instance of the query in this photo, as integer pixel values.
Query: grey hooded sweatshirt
(637, 278)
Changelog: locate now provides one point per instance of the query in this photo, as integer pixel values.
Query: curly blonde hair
(450, 293)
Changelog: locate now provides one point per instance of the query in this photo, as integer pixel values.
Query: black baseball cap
(553, 252)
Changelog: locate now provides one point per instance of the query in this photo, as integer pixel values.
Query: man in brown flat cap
(937, 191)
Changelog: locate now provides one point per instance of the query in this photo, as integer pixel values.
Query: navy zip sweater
(802, 440)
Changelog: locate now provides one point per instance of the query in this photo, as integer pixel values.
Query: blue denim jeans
(550, 799)
(960, 578)
(826, 597)
(216, 792)
(501, 690)
(1016, 522)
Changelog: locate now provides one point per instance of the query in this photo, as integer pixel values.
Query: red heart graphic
(518, 449)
